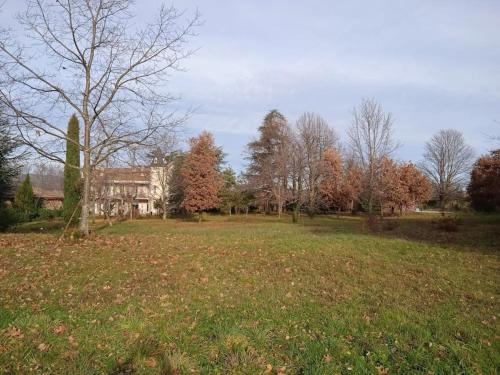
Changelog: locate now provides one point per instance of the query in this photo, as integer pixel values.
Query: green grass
(253, 295)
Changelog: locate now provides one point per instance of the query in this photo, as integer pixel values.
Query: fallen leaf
(43, 347)
(60, 329)
(150, 362)
(13, 331)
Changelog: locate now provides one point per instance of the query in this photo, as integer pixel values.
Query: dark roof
(124, 175)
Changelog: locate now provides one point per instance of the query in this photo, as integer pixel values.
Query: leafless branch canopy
(447, 162)
(88, 58)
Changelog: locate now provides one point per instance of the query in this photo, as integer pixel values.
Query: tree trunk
(164, 213)
(84, 219)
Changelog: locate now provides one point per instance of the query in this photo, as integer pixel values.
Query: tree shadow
(41, 226)
(473, 232)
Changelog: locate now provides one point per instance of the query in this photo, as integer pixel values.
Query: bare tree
(98, 64)
(447, 162)
(315, 137)
(371, 139)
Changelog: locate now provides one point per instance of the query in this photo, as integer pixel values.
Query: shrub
(8, 217)
(25, 202)
(49, 214)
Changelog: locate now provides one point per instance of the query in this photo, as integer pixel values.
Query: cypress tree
(25, 202)
(72, 172)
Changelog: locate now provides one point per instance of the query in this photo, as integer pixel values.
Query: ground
(253, 295)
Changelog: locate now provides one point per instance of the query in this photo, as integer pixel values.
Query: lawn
(253, 295)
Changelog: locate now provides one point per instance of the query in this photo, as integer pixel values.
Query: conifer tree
(72, 172)
(25, 202)
(200, 175)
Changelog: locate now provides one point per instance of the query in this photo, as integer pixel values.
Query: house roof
(48, 194)
(135, 175)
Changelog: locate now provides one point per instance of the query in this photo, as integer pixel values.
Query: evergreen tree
(25, 202)
(9, 168)
(72, 172)
(227, 193)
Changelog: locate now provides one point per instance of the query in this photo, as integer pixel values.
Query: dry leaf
(13, 331)
(60, 329)
(150, 362)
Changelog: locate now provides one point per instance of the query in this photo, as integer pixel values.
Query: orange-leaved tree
(416, 186)
(200, 175)
(331, 184)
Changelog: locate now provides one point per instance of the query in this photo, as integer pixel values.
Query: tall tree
(484, 186)
(110, 74)
(200, 174)
(175, 183)
(330, 186)
(9, 169)
(25, 202)
(268, 170)
(389, 190)
(227, 193)
(315, 137)
(72, 186)
(447, 162)
(370, 139)
(352, 185)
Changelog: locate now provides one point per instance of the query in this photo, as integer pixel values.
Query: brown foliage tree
(401, 186)
(484, 186)
(389, 190)
(340, 185)
(200, 175)
(416, 187)
(351, 187)
(331, 185)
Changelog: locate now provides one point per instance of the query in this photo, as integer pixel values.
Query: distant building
(47, 188)
(51, 199)
(128, 191)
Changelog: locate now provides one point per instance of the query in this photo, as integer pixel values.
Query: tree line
(304, 168)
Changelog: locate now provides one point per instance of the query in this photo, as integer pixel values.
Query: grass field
(253, 295)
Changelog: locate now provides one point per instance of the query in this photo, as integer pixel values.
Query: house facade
(129, 191)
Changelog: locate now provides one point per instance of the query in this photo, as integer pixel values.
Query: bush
(8, 217)
(49, 214)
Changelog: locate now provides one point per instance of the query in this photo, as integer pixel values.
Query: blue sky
(432, 64)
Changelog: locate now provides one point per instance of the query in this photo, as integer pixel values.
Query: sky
(432, 64)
